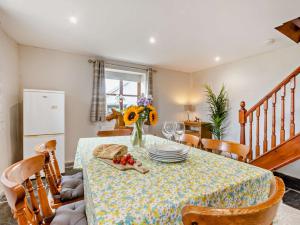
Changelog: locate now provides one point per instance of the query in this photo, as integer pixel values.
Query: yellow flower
(153, 117)
(131, 115)
(151, 107)
(140, 108)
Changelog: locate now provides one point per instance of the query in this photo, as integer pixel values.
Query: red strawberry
(123, 161)
(116, 160)
(128, 156)
(131, 161)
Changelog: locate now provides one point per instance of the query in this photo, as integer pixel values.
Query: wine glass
(179, 130)
(168, 129)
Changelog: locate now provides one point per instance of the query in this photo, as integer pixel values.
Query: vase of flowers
(140, 114)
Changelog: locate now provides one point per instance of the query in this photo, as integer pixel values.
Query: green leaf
(218, 110)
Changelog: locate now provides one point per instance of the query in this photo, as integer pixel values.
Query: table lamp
(188, 109)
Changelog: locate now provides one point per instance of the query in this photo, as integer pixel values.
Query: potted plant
(218, 110)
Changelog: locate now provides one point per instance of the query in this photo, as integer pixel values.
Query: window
(122, 88)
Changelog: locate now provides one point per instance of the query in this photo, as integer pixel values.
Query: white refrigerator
(44, 120)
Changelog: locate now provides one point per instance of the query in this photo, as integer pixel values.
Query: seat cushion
(71, 189)
(70, 214)
(66, 178)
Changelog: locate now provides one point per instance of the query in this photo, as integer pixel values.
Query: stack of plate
(168, 153)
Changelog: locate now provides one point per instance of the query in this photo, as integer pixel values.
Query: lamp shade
(189, 108)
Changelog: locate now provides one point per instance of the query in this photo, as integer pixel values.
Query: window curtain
(98, 106)
(149, 82)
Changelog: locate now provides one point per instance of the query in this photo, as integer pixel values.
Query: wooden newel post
(242, 121)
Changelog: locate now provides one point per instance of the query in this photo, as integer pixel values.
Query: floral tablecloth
(128, 197)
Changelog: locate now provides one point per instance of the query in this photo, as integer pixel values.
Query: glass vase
(137, 136)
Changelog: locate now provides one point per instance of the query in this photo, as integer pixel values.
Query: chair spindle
(46, 209)
(33, 200)
(50, 177)
(56, 167)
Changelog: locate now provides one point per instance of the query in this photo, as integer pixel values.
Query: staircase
(282, 148)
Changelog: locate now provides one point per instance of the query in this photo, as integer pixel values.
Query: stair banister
(280, 90)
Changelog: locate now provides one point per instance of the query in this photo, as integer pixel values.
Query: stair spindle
(265, 143)
(292, 118)
(257, 131)
(250, 133)
(282, 128)
(242, 120)
(273, 138)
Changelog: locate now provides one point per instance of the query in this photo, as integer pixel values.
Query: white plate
(168, 147)
(167, 160)
(183, 152)
(167, 157)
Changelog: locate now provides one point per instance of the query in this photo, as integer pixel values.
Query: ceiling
(189, 33)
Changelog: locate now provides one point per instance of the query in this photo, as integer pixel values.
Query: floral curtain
(98, 106)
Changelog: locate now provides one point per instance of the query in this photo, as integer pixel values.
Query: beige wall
(53, 70)
(171, 92)
(9, 94)
(49, 69)
(250, 79)
(247, 79)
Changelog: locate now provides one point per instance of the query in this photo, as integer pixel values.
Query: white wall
(250, 79)
(50, 69)
(9, 94)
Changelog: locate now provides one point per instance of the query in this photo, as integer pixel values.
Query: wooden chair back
(50, 147)
(261, 214)
(240, 150)
(190, 140)
(116, 132)
(52, 173)
(16, 182)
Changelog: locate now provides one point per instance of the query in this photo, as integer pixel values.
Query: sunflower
(151, 107)
(153, 117)
(140, 109)
(131, 115)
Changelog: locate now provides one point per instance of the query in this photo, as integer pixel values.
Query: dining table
(128, 197)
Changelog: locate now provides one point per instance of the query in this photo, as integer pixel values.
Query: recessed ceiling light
(152, 40)
(73, 20)
(270, 41)
(217, 58)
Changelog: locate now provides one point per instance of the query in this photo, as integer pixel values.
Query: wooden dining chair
(190, 140)
(261, 214)
(63, 189)
(18, 185)
(240, 150)
(116, 132)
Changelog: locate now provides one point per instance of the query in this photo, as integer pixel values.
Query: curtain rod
(112, 64)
